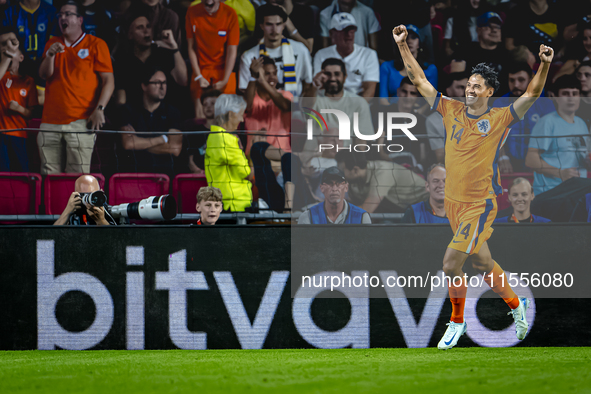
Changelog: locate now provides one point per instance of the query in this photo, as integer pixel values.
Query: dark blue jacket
(536, 219)
(422, 213)
(318, 216)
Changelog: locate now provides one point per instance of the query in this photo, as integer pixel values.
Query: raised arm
(179, 72)
(5, 60)
(48, 64)
(415, 72)
(535, 87)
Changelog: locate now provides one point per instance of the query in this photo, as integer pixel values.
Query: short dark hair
(270, 10)
(352, 159)
(75, 4)
(209, 93)
(586, 63)
(126, 24)
(569, 81)
(267, 61)
(516, 67)
(333, 61)
(8, 29)
(490, 76)
(448, 79)
(406, 81)
(148, 72)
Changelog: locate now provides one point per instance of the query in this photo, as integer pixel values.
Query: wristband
(165, 139)
(505, 157)
(294, 32)
(252, 79)
(198, 77)
(174, 50)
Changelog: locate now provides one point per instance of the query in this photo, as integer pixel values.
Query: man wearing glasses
(151, 153)
(80, 82)
(335, 209)
(489, 48)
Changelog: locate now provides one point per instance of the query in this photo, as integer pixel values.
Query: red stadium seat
(59, 187)
(20, 193)
(34, 123)
(437, 33)
(132, 187)
(184, 190)
(506, 180)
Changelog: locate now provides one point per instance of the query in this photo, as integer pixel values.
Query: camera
(96, 199)
(151, 208)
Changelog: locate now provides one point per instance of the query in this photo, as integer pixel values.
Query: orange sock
(506, 292)
(457, 296)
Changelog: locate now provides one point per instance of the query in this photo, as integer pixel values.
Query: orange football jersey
(72, 92)
(19, 88)
(472, 146)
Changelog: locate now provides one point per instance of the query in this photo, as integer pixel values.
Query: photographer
(77, 214)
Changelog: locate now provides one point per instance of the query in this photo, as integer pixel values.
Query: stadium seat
(34, 123)
(58, 188)
(184, 190)
(20, 193)
(506, 180)
(132, 187)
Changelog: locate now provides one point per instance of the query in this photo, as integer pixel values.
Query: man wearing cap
(368, 25)
(363, 67)
(334, 209)
(392, 72)
(488, 49)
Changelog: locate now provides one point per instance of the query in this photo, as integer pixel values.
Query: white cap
(342, 20)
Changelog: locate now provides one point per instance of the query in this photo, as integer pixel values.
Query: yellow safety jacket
(226, 168)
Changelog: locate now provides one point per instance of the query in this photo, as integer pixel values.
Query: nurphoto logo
(394, 121)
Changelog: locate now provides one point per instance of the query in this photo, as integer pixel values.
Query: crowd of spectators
(207, 87)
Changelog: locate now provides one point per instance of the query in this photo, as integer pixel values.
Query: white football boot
(521, 325)
(452, 335)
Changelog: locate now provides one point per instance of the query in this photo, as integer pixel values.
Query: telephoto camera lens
(151, 208)
(96, 199)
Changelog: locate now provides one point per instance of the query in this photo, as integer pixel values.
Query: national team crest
(83, 53)
(483, 126)
(23, 92)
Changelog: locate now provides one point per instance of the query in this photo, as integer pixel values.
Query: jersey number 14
(456, 135)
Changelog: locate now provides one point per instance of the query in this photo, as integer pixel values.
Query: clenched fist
(399, 33)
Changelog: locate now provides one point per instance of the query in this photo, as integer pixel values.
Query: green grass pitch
(460, 370)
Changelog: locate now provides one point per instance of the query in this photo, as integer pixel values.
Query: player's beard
(334, 87)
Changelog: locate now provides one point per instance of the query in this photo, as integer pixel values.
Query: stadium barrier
(404, 133)
(220, 287)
